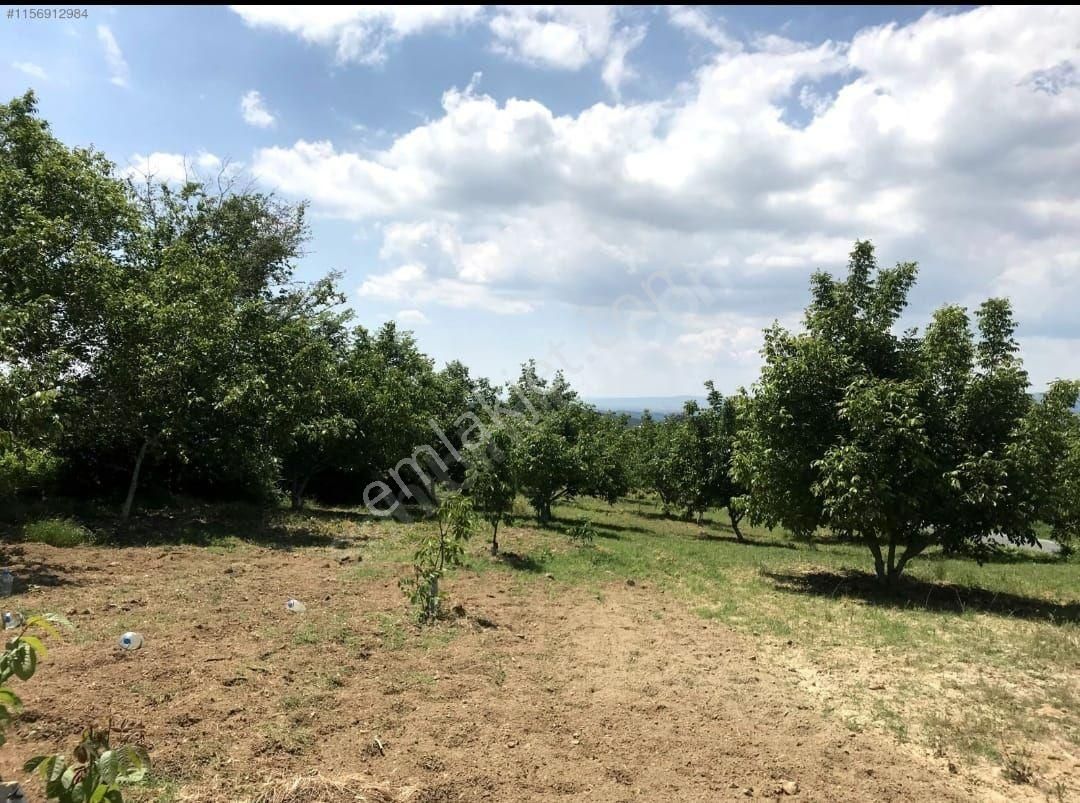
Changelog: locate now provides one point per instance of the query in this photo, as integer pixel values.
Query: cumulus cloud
(555, 37)
(696, 21)
(616, 70)
(413, 317)
(254, 110)
(174, 168)
(412, 282)
(950, 140)
(359, 34)
(31, 69)
(567, 38)
(114, 57)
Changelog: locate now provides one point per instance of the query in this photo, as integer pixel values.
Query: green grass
(952, 619)
(59, 532)
(961, 659)
(156, 788)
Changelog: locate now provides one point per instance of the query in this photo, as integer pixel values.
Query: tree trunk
(296, 494)
(700, 517)
(735, 518)
(879, 561)
(126, 510)
(432, 612)
(913, 548)
(495, 539)
(543, 512)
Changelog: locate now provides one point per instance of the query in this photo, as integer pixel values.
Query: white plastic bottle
(13, 620)
(131, 641)
(7, 582)
(295, 606)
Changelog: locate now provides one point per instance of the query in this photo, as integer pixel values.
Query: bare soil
(534, 691)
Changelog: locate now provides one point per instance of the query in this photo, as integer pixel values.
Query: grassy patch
(58, 532)
(964, 659)
(1005, 635)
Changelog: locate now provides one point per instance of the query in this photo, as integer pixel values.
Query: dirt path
(539, 692)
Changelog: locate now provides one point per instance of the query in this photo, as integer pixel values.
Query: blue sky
(627, 193)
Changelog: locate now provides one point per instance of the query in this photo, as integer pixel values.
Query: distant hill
(634, 406)
(662, 406)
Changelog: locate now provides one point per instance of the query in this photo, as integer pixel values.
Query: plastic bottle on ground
(295, 606)
(7, 582)
(13, 620)
(131, 641)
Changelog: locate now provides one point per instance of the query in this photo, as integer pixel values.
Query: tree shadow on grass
(209, 529)
(620, 528)
(608, 531)
(675, 518)
(705, 535)
(333, 514)
(916, 594)
(522, 563)
(1003, 556)
(660, 516)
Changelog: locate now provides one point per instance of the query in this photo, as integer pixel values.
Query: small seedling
(1017, 766)
(583, 533)
(96, 770)
(437, 553)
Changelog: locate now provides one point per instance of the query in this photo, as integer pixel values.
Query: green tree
(545, 463)
(63, 217)
(725, 490)
(658, 459)
(308, 396)
(687, 458)
(562, 447)
(906, 441)
(490, 480)
(165, 354)
(1047, 454)
(198, 365)
(404, 408)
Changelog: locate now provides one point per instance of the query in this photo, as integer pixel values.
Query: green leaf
(9, 699)
(23, 660)
(108, 766)
(34, 643)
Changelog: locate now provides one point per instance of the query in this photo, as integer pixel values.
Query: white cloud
(562, 37)
(412, 282)
(951, 141)
(556, 37)
(254, 110)
(359, 34)
(413, 317)
(174, 168)
(616, 71)
(114, 57)
(740, 342)
(696, 21)
(31, 69)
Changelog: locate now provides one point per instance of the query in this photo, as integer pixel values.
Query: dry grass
(319, 789)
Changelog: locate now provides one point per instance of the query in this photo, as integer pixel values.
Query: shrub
(583, 533)
(95, 772)
(437, 553)
(57, 532)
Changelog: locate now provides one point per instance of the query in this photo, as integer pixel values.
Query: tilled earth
(535, 691)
